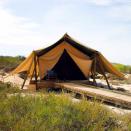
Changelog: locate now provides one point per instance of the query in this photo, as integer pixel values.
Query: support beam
(35, 71)
(32, 75)
(103, 72)
(107, 82)
(93, 71)
(24, 81)
(26, 75)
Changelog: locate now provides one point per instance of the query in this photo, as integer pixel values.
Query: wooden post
(32, 76)
(94, 71)
(26, 76)
(102, 70)
(107, 82)
(28, 73)
(24, 81)
(35, 71)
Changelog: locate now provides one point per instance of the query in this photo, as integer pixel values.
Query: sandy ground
(125, 86)
(14, 79)
(112, 108)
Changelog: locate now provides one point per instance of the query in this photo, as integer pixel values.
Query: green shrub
(6, 88)
(127, 120)
(123, 68)
(39, 112)
(51, 112)
(7, 63)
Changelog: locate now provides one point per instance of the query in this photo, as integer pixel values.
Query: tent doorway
(66, 68)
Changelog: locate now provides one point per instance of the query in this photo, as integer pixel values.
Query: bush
(123, 68)
(51, 112)
(8, 63)
(7, 88)
(39, 112)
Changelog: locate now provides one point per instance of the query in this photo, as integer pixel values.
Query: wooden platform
(117, 99)
(41, 84)
(87, 91)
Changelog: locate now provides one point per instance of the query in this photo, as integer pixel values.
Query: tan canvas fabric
(109, 67)
(83, 64)
(61, 47)
(25, 65)
(49, 60)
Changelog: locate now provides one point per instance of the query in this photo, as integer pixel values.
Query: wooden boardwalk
(117, 99)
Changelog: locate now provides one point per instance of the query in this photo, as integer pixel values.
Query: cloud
(104, 29)
(122, 12)
(18, 31)
(106, 2)
(99, 2)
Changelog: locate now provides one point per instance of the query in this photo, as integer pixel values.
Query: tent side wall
(108, 67)
(26, 66)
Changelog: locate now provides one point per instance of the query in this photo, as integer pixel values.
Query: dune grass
(6, 88)
(53, 113)
(56, 112)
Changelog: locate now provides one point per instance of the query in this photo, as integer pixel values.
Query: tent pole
(32, 75)
(24, 81)
(26, 76)
(107, 82)
(94, 81)
(35, 72)
(93, 72)
(101, 67)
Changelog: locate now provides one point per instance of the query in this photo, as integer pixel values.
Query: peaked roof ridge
(66, 36)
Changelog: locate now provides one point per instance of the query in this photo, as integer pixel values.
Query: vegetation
(123, 68)
(8, 63)
(6, 88)
(55, 112)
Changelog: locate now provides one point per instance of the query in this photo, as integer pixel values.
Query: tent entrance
(66, 68)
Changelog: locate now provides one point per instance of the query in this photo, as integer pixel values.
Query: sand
(14, 79)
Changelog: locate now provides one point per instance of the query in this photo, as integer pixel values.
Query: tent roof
(71, 41)
(101, 62)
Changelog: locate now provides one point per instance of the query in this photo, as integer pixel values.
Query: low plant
(48, 111)
(51, 112)
(6, 88)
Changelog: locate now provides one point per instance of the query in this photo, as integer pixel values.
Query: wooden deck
(117, 99)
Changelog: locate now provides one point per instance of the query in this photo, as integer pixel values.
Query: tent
(69, 59)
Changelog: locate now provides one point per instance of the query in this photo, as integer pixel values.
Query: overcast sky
(104, 25)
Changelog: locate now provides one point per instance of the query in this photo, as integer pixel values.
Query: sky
(104, 25)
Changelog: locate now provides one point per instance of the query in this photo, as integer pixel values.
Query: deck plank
(107, 96)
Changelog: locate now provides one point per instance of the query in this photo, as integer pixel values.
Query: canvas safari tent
(69, 59)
